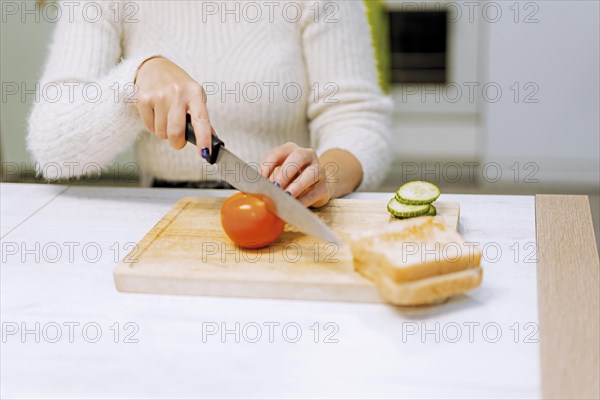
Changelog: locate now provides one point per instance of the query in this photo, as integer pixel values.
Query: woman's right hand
(166, 93)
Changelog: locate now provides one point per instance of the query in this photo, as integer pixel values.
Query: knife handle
(215, 145)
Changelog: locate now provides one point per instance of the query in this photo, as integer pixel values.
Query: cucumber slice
(400, 210)
(432, 211)
(418, 192)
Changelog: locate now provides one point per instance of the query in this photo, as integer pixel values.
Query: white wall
(24, 41)
(22, 53)
(559, 54)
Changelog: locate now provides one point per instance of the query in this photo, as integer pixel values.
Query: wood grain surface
(568, 290)
(187, 252)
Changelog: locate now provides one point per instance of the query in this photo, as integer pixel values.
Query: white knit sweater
(300, 71)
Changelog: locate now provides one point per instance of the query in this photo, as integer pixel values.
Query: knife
(251, 181)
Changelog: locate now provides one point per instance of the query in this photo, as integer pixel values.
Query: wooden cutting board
(188, 253)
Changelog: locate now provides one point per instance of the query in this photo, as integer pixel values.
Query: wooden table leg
(568, 297)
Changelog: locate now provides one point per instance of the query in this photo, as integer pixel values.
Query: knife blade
(247, 179)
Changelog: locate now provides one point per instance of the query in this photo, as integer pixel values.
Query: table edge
(568, 297)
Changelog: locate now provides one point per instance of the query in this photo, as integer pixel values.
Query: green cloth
(378, 21)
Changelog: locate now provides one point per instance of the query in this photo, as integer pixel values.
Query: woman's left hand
(298, 171)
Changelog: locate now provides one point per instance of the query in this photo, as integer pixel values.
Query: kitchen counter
(67, 332)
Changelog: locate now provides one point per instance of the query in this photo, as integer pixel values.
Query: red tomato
(247, 221)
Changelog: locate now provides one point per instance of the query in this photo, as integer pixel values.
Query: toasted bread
(431, 290)
(420, 248)
(420, 261)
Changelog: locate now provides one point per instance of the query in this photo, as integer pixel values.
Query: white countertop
(60, 244)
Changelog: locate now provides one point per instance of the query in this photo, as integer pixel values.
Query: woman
(287, 84)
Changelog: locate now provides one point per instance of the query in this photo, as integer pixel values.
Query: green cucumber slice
(400, 210)
(418, 192)
(432, 211)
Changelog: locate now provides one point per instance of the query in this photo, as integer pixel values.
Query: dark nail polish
(205, 153)
(288, 192)
(277, 184)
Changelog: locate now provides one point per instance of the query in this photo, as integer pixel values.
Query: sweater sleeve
(84, 111)
(349, 110)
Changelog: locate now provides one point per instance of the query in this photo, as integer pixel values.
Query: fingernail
(288, 192)
(277, 184)
(205, 153)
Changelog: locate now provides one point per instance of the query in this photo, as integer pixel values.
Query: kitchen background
(490, 96)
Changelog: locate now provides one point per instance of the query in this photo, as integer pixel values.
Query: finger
(311, 175)
(317, 196)
(176, 126)
(275, 172)
(293, 166)
(160, 120)
(322, 201)
(275, 157)
(147, 114)
(201, 123)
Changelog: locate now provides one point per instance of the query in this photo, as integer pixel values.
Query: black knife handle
(215, 145)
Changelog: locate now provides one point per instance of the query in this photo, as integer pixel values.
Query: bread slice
(418, 248)
(418, 261)
(433, 290)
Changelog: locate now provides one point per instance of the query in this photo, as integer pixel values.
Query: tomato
(248, 221)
